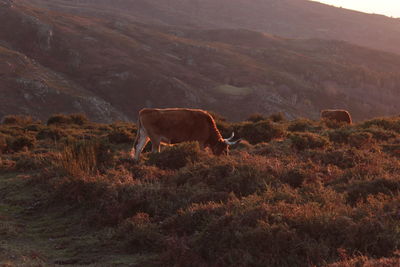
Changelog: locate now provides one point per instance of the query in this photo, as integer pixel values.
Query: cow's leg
(143, 139)
(155, 144)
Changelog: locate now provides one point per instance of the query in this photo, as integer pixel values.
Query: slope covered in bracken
(293, 193)
(110, 65)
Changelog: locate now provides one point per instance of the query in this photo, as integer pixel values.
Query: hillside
(288, 18)
(293, 193)
(112, 66)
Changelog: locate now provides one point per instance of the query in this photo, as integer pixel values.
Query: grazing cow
(175, 125)
(339, 115)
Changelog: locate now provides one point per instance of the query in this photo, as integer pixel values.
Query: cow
(176, 125)
(339, 115)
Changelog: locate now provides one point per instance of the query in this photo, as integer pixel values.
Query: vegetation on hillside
(293, 193)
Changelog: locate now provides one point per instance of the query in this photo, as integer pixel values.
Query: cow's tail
(139, 126)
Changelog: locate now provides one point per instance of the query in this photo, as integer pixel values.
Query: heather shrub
(22, 142)
(35, 127)
(277, 117)
(175, 157)
(32, 161)
(294, 177)
(302, 125)
(3, 143)
(52, 133)
(343, 158)
(140, 234)
(340, 135)
(17, 119)
(392, 149)
(85, 157)
(121, 136)
(380, 134)
(242, 174)
(262, 131)
(78, 119)
(360, 190)
(307, 140)
(359, 139)
(59, 119)
(384, 123)
(256, 117)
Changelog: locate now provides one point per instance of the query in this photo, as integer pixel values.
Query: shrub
(277, 117)
(360, 139)
(385, 123)
(256, 117)
(342, 158)
(59, 119)
(17, 119)
(52, 133)
(22, 142)
(340, 136)
(85, 157)
(3, 143)
(121, 136)
(381, 134)
(360, 190)
(294, 177)
(302, 125)
(306, 140)
(177, 156)
(241, 174)
(262, 131)
(79, 118)
(140, 234)
(31, 161)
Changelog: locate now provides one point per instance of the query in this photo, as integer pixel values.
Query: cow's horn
(232, 143)
(230, 138)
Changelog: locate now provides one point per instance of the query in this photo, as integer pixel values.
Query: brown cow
(339, 115)
(175, 125)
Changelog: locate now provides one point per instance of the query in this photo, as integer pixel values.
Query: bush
(121, 136)
(306, 140)
(59, 119)
(360, 190)
(78, 119)
(342, 158)
(85, 157)
(262, 131)
(302, 125)
(360, 139)
(340, 136)
(294, 177)
(175, 157)
(384, 123)
(381, 134)
(52, 133)
(277, 117)
(256, 117)
(3, 143)
(22, 142)
(17, 119)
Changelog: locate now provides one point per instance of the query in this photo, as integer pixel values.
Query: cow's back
(336, 114)
(176, 124)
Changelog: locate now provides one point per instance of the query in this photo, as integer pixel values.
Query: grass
(302, 193)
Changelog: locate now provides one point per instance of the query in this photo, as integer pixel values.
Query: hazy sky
(385, 7)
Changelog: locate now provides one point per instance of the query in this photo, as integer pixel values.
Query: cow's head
(222, 147)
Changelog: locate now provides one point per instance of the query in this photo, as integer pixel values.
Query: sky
(389, 8)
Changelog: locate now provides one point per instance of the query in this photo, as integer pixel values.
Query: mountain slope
(289, 18)
(130, 65)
